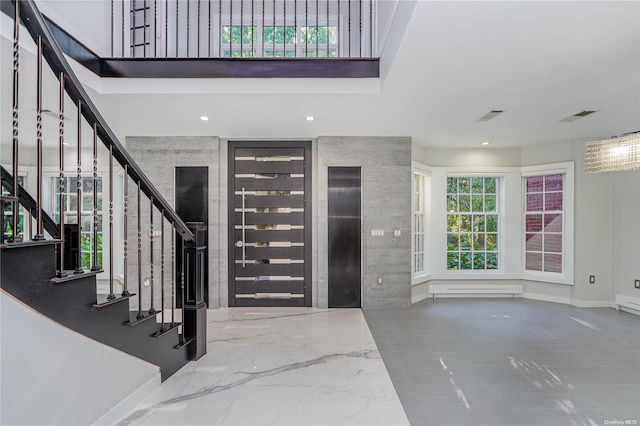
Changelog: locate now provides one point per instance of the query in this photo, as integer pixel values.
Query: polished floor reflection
(279, 366)
(511, 362)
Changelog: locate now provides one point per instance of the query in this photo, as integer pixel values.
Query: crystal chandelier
(615, 154)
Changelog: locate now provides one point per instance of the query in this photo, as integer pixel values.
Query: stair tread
(133, 317)
(184, 343)
(34, 243)
(165, 329)
(71, 276)
(102, 300)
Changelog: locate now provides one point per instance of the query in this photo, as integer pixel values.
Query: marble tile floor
(279, 366)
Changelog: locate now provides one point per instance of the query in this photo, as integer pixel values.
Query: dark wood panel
(269, 167)
(295, 236)
(271, 218)
(296, 253)
(270, 302)
(254, 270)
(295, 201)
(247, 287)
(278, 183)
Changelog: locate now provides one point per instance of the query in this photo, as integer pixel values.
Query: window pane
(476, 203)
(553, 243)
(534, 183)
(553, 201)
(490, 185)
(490, 203)
(478, 223)
(466, 260)
(533, 223)
(452, 203)
(533, 242)
(452, 241)
(478, 261)
(453, 262)
(553, 223)
(553, 182)
(464, 185)
(465, 223)
(533, 261)
(478, 242)
(452, 185)
(477, 186)
(491, 242)
(465, 242)
(492, 223)
(465, 203)
(534, 202)
(552, 262)
(453, 223)
(492, 260)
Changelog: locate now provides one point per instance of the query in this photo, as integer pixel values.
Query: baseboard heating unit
(445, 289)
(629, 302)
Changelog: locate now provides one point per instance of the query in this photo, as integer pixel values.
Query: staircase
(32, 266)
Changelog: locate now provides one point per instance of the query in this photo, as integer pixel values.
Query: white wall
(54, 376)
(626, 232)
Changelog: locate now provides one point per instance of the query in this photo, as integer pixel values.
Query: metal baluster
(125, 289)
(132, 17)
(220, 55)
(327, 30)
(30, 224)
(140, 314)
(317, 37)
(144, 29)
(339, 25)
(253, 28)
(151, 309)
(173, 273)
(39, 228)
(166, 28)
(284, 26)
(209, 32)
(184, 263)
(177, 14)
(111, 293)
(155, 28)
(122, 29)
(241, 27)
(61, 182)
(349, 28)
(79, 191)
(16, 65)
(198, 28)
(274, 28)
(360, 31)
(162, 328)
(188, 25)
(112, 35)
(231, 28)
(306, 28)
(263, 24)
(94, 266)
(371, 28)
(295, 24)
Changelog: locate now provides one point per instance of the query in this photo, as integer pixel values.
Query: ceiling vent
(490, 115)
(575, 117)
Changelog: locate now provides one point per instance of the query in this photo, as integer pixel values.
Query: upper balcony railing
(243, 28)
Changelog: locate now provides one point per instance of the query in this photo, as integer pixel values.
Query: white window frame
(568, 201)
(425, 172)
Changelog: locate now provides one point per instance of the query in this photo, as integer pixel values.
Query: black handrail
(36, 24)
(29, 203)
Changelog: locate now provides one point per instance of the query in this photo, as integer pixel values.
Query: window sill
(548, 279)
(475, 276)
(420, 279)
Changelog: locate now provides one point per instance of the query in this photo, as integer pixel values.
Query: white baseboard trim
(116, 413)
(593, 304)
(628, 304)
(419, 298)
(546, 298)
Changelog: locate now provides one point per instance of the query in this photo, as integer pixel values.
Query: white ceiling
(538, 61)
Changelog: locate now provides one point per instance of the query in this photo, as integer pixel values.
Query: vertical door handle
(244, 250)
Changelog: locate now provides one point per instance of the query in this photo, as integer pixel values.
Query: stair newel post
(39, 229)
(140, 314)
(162, 328)
(94, 247)
(125, 289)
(111, 293)
(61, 188)
(16, 67)
(194, 308)
(152, 309)
(173, 273)
(79, 191)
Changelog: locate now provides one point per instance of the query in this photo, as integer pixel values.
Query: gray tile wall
(386, 193)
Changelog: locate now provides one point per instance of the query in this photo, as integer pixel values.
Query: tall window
(70, 209)
(418, 224)
(544, 223)
(472, 223)
(8, 214)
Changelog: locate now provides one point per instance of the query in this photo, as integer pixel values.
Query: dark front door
(269, 224)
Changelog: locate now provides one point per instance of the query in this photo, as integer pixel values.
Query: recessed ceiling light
(577, 116)
(485, 143)
(204, 118)
(310, 118)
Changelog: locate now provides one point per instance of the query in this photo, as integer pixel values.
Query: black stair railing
(77, 185)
